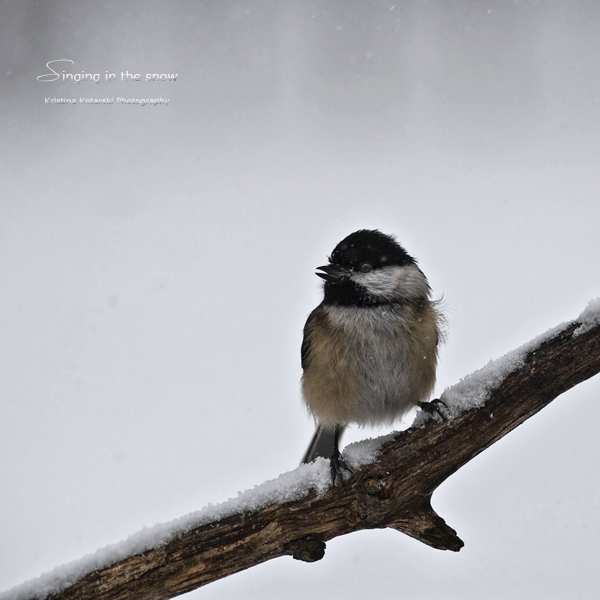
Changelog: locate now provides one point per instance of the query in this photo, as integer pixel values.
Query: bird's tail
(322, 444)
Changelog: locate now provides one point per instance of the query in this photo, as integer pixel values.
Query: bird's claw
(337, 465)
(433, 408)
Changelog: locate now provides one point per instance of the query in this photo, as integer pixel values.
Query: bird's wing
(305, 349)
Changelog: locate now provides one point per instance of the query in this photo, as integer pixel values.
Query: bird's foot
(433, 408)
(337, 465)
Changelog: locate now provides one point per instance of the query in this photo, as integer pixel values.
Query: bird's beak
(332, 273)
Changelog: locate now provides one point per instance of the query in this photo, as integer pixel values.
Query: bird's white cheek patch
(395, 281)
(377, 282)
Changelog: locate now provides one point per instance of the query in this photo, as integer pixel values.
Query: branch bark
(394, 491)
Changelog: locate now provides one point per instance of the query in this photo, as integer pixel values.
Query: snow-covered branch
(297, 513)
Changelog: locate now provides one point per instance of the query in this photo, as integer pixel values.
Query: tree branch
(393, 491)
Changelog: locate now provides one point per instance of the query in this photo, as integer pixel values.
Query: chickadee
(369, 352)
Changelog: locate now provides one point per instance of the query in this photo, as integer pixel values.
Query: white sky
(157, 266)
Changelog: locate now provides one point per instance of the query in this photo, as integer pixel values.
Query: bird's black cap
(371, 246)
(362, 251)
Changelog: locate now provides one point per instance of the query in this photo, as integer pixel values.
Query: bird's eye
(365, 268)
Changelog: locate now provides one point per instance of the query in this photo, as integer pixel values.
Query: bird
(370, 349)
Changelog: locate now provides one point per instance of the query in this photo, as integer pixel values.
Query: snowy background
(157, 267)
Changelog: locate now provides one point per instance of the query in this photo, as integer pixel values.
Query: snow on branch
(295, 514)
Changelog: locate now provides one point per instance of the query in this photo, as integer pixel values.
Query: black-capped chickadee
(369, 352)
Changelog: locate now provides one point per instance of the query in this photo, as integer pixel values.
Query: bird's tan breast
(369, 365)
